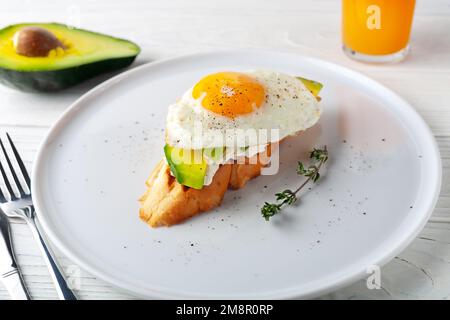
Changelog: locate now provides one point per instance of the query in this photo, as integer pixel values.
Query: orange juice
(376, 27)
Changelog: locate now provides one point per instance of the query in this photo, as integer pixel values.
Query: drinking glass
(377, 30)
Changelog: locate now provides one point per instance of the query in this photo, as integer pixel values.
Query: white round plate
(376, 194)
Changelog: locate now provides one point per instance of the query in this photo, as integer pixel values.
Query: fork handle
(63, 290)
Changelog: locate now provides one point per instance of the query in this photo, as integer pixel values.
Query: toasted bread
(167, 202)
(241, 173)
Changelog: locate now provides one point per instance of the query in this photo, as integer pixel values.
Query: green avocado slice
(312, 86)
(85, 55)
(187, 166)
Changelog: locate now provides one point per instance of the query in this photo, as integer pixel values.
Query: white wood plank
(420, 272)
(170, 28)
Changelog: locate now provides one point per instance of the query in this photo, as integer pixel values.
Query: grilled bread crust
(166, 202)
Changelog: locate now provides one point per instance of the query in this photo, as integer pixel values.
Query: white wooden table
(166, 28)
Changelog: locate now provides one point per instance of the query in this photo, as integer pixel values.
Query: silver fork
(22, 207)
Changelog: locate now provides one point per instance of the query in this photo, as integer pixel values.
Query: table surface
(175, 27)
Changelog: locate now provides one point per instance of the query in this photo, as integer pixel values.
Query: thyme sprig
(288, 197)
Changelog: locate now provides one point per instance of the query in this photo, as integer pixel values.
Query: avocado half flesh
(87, 54)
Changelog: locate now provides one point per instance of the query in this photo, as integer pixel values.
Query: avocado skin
(55, 80)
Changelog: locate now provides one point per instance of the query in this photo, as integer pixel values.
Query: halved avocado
(81, 55)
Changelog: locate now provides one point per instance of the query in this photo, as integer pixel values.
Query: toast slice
(166, 202)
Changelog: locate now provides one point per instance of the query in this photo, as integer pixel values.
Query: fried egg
(241, 112)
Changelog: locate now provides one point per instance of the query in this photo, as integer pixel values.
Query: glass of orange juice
(377, 30)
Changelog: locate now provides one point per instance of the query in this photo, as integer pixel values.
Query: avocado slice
(312, 86)
(188, 166)
(186, 171)
(81, 55)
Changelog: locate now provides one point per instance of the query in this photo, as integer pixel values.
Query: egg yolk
(230, 94)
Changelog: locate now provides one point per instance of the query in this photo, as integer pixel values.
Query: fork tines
(20, 177)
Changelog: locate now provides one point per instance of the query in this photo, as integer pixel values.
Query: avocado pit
(35, 42)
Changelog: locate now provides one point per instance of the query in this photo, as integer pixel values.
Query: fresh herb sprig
(288, 197)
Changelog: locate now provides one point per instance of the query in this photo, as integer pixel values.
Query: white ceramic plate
(379, 188)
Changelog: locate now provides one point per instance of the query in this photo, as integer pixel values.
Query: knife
(9, 273)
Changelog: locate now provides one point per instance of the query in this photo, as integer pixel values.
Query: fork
(22, 207)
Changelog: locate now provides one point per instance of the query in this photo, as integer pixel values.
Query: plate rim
(287, 293)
